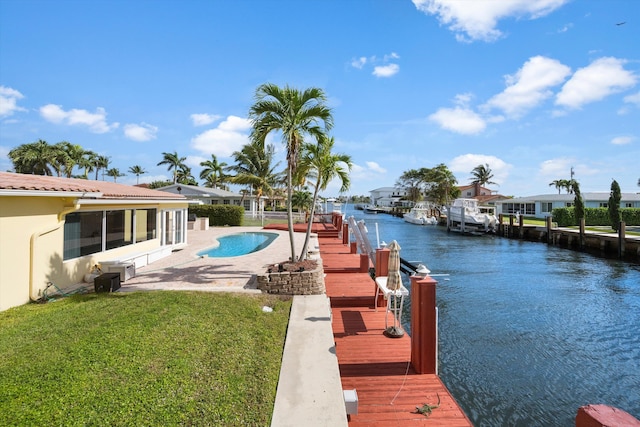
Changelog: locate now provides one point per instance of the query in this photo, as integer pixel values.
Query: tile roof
(109, 190)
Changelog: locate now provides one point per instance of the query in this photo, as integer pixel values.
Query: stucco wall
(29, 229)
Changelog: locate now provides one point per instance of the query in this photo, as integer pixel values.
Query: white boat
(373, 209)
(468, 214)
(421, 214)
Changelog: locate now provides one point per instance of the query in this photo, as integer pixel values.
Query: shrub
(565, 217)
(219, 215)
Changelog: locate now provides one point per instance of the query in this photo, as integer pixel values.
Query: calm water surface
(528, 332)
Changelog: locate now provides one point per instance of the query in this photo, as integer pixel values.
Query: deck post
(424, 325)
(621, 236)
(345, 234)
(364, 263)
(382, 269)
(353, 247)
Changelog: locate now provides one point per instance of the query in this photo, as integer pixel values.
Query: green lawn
(146, 358)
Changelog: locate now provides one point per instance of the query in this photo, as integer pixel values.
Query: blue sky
(532, 88)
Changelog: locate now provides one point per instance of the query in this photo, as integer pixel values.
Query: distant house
(213, 196)
(56, 229)
(485, 196)
(541, 206)
(388, 196)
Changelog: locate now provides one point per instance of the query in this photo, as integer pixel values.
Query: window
(604, 205)
(546, 206)
(226, 202)
(628, 205)
(145, 224)
(82, 234)
(247, 205)
(214, 202)
(568, 204)
(119, 228)
(87, 233)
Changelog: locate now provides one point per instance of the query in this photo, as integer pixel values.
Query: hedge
(219, 215)
(565, 217)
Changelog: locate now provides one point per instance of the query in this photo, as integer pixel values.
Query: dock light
(422, 270)
(383, 244)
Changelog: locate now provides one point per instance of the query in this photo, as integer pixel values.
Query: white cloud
(141, 132)
(229, 136)
(477, 19)
(529, 86)
(594, 82)
(204, 119)
(9, 101)
(633, 99)
(386, 70)
(459, 120)
(622, 140)
(556, 168)
(375, 167)
(97, 122)
(359, 62)
(467, 162)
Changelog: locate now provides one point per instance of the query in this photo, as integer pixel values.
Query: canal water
(528, 332)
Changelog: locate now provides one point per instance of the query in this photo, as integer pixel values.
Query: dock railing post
(382, 270)
(424, 325)
(621, 236)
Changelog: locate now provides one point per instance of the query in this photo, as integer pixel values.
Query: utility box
(107, 282)
(350, 401)
(127, 270)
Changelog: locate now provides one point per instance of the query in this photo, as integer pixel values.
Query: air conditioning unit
(127, 270)
(107, 282)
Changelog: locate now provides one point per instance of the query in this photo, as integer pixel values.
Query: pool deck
(185, 270)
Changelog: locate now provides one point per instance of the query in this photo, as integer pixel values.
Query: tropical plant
(322, 165)
(33, 158)
(614, 205)
(443, 184)
(563, 184)
(294, 114)
(302, 200)
(183, 175)
(87, 162)
(68, 156)
(173, 161)
(101, 163)
(578, 202)
(482, 175)
(254, 166)
(412, 181)
(213, 172)
(137, 171)
(114, 173)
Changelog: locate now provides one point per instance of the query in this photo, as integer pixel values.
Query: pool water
(239, 244)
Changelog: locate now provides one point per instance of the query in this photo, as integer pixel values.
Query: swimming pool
(239, 244)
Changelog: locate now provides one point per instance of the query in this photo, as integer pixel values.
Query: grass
(147, 358)
(254, 222)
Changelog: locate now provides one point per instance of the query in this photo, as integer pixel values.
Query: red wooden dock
(378, 367)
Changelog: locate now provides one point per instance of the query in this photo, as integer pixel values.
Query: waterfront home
(216, 196)
(541, 206)
(56, 229)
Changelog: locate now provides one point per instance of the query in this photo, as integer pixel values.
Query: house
(55, 229)
(485, 196)
(541, 206)
(213, 196)
(388, 196)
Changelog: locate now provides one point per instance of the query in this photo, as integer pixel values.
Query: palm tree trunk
(307, 237)
(290, 213)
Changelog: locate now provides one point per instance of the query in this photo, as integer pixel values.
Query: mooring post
(424, 325)
(581, 241)
(382, 270)
(500, 225)
(520, 226)
(345, 234)
(549, 219)
(510, 234)
(621, 236)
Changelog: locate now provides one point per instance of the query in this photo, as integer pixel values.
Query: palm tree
(443, 185)
(101, 162)
(558, 183)
(302, 200)
(183, 175)
(173, 161)
(69, 156)
(137, 171)
(33, 158)
(294, 114)
(254, 167)
(87, 162)
(115, 173)
(213, 171)
(482, 175)
(320, 163)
